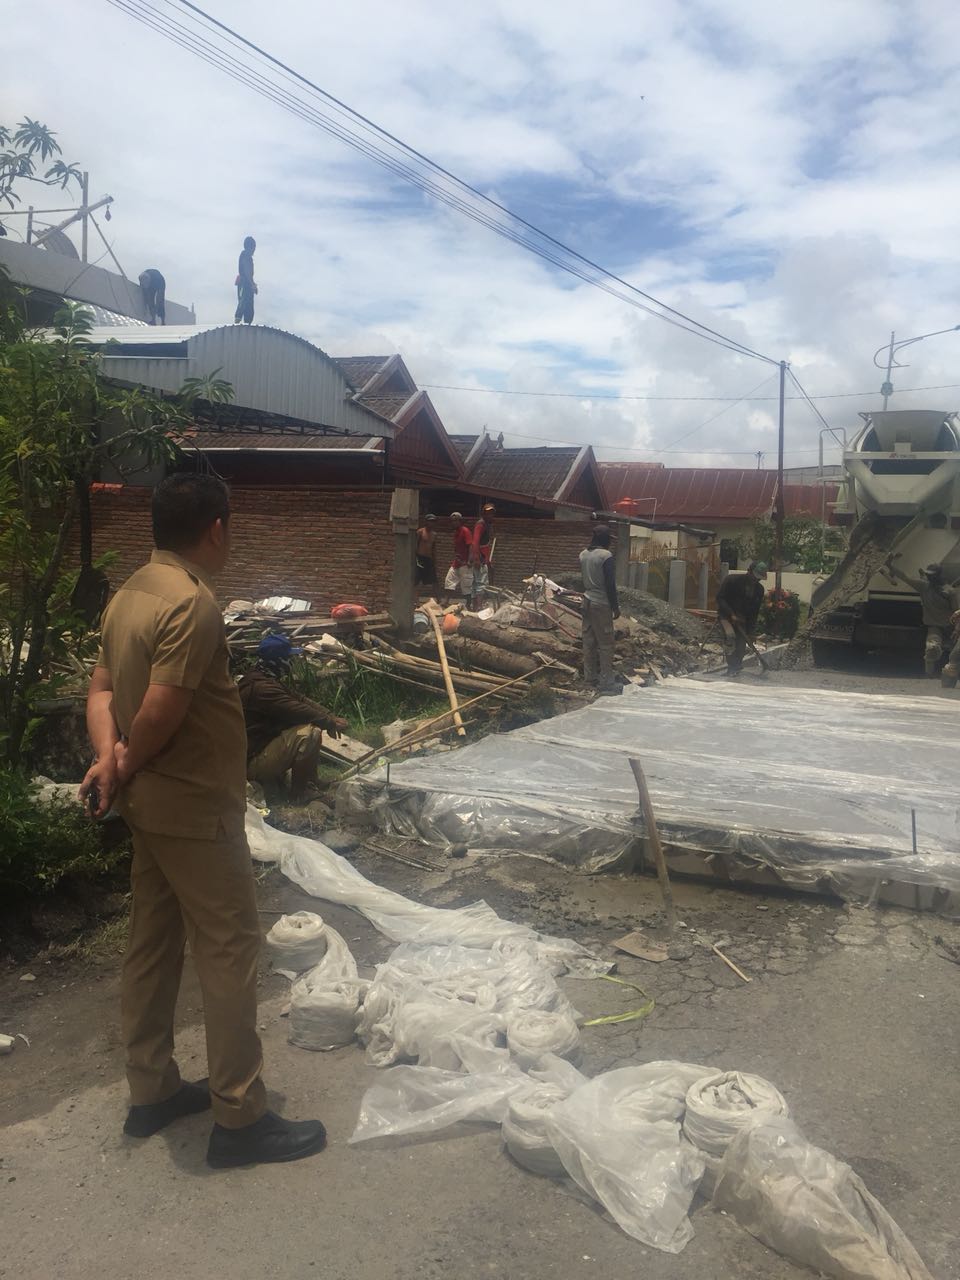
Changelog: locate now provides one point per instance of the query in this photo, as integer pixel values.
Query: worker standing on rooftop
(601, 608)
(246, 288)
(153, 288)
(738, 607)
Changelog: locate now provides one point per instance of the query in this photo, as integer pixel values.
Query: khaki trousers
(293, 747)
(201, 892)
(598, 641)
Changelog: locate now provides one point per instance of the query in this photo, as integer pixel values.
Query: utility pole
(759, 459)
(85, 191)
(778, 511)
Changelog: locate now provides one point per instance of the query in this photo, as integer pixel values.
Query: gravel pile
(660, 617)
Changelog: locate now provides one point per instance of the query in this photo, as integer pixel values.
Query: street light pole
(892, 347)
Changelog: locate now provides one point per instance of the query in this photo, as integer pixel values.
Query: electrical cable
(459, 199)
(726, 409)
(587, 395)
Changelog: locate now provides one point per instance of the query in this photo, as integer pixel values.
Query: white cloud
(785, 174)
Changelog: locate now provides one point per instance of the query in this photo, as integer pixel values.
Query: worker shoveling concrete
(815, 789)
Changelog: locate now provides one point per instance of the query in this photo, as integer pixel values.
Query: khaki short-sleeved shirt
(164, 627)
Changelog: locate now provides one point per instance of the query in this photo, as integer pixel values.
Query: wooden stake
(729, 963)
(445, 667)
(653, 837)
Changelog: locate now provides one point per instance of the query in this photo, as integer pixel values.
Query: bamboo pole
(430, 727)
(445, 667)
(653, 836)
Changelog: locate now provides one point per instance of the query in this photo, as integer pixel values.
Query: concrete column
(703, 586)
(401, 583)
(621, 552)
(677, 583)
(643, 576)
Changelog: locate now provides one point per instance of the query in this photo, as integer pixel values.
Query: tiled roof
(358, 370)
(463, 444)
(536, 473)
(694, 493)
(387, 406)
(271, 440)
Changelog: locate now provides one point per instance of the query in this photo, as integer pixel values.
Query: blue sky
(788, 175)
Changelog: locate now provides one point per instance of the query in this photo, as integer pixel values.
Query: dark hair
(601, 536)
(249, 243)
(184, 508)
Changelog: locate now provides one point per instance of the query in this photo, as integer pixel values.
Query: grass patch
(366, 699)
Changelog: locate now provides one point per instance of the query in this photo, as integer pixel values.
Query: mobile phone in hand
(93, 800)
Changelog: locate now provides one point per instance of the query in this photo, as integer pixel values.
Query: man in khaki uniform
(165, 721)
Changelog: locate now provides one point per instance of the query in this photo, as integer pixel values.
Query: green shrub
(42, 841)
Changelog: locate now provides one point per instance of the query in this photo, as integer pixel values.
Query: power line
(726, 409)
(409, 164)
(586, 395)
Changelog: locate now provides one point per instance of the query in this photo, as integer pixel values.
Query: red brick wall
(326, 546)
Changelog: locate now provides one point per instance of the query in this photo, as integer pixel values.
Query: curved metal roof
(271, 371)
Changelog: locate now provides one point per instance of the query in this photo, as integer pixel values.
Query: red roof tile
(536, 473)
(270, 440)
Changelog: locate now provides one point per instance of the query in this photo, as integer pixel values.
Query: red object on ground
(348, 612)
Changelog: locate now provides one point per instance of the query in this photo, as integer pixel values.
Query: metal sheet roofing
(693, 493)
(272, 372)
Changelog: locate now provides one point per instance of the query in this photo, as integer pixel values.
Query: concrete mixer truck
(901, 495)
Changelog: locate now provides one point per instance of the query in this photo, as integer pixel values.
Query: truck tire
(833, 653)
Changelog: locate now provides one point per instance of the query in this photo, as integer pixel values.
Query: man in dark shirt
(245, 285)
(153, 287)
(939, 601)
(284, 731)
(738, 607)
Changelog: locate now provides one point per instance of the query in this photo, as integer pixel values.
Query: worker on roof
(601, 608)
(460, 574)
(939, 601)
(284, 731)
(738, 607)
(426, 570)
(246, 287)
(481, 553)
(153, 287)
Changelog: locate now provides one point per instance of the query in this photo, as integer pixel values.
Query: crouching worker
(284, 731)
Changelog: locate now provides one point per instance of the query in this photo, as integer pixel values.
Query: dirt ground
(853, 1013)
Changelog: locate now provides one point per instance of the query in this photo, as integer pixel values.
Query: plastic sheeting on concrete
(812, 788)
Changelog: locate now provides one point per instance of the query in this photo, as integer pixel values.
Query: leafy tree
(61, 424)
(806, 543)
(24, 148)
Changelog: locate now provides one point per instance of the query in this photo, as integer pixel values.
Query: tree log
(516, 639)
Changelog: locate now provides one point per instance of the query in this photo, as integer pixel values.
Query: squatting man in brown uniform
(166, 724)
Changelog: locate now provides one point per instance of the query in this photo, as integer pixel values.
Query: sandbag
(533, 1033)
(619, 1139)
(297, 942)
(811, 1207)
(324, 1000)
(524, 1130)
(720, 1106)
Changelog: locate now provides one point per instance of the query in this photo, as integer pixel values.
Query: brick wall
(326, 546)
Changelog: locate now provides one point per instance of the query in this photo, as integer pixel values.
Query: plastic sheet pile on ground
(475, 1002)
(815, 786)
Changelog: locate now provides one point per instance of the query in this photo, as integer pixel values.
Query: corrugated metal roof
(693, 493)
(272, 372)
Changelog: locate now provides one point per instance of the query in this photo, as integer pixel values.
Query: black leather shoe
(269, 1140)
(148, 1118)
